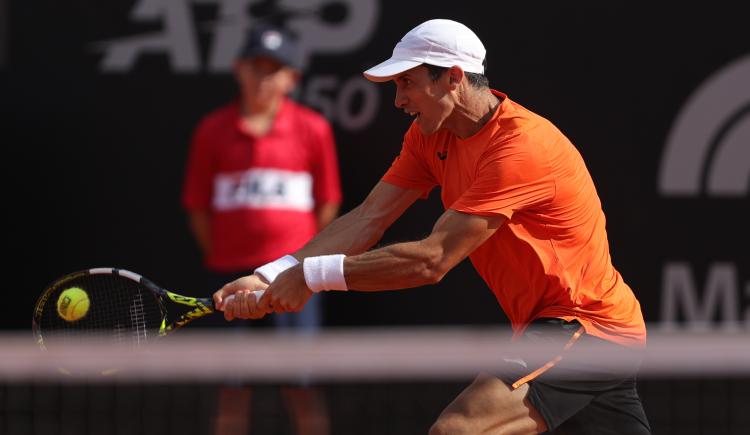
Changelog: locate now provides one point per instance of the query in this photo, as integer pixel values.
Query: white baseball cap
(436, 42)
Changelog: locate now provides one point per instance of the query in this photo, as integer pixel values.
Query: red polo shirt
(261, 191)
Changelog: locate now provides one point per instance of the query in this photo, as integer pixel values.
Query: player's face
(263, 80)
(428, 100)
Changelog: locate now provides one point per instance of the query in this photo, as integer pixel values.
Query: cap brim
(385, 71)
(278, 57)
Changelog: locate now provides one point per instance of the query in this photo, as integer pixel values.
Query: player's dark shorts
(574, 393)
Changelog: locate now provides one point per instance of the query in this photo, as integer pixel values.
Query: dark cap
(274, 42)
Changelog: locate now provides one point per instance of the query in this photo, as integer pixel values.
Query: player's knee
(503, 421)
(452, 424)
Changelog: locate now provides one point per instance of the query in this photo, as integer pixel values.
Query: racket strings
(120, 309)
(138, 319)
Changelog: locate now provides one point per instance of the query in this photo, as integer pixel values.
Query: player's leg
(578, 394)
(489, 406)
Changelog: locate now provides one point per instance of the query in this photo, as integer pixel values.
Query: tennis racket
(122, 307)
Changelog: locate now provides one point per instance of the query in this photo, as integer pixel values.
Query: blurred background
(99, 100)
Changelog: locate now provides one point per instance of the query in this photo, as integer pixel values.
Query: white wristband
(325, 272)
(271, 270)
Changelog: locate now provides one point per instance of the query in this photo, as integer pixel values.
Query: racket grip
(258, 295)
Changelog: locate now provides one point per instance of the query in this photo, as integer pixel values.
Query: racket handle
(258, 295)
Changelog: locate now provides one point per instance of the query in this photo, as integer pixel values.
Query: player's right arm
(361, 228)
(352, 233)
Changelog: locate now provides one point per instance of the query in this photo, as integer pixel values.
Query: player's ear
(455, 75)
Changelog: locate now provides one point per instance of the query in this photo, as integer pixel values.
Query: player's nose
(400, 100)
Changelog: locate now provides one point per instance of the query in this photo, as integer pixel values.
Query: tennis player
(520, 203)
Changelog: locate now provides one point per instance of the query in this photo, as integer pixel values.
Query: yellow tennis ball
(73, 304)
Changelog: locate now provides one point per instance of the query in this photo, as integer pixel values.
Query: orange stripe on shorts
(551, 363)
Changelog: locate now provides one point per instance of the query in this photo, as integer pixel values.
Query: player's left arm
(401, 265)
(412, 264)
(326, 213)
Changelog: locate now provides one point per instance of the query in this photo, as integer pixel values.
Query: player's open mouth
(414, 114)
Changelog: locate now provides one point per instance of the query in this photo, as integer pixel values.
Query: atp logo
(708, 148)
(328, 27)
(323, 26)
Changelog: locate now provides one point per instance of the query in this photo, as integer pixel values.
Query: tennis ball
(73, 304)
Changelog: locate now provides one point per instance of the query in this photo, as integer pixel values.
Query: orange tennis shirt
(551, 257)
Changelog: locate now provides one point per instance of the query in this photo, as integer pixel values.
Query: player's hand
(287, 293)
(244, 303)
